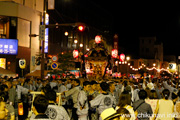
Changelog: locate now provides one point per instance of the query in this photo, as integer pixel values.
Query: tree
(66, 61)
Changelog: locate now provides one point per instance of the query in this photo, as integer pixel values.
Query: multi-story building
(19, 19)
(150, 48)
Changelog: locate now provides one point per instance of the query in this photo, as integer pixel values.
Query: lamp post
(43, 41)
(128, 58)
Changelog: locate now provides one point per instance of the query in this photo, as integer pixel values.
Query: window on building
(149, 41)
(147, 50)
(142, 49)
(140, 64)
(4, 27)
(132, 63)
(142, 41)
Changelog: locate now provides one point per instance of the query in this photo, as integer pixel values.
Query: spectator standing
(74, 94)
(53, 111)
(82, 102)
(40, 105)
(125, 102)
(3, 109)
(144, 109)
(165, 107)
(103, 100)
(152, 100)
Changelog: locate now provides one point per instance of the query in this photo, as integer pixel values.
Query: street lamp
(154, 64)
(66, 33)
(81, 45)
(75, 41)
(127, 58)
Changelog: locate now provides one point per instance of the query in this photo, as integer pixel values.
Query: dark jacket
(144, 110)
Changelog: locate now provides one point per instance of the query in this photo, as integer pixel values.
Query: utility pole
(43, 41)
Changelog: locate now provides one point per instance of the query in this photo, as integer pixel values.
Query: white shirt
(57, 113)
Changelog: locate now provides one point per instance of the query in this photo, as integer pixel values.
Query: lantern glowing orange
(122, 57)
(75, 53)
(20, 108)
(114, 53)
(98, 39)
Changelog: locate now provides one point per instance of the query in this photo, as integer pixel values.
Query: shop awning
(37, 73)
(5, 72)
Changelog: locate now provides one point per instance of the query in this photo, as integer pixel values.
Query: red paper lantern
(122, 57)
(114, 53)
(75, 53)
(98, 39)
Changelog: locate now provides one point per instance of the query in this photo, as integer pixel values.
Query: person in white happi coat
(103, 100)
(54, 111)
(82, 102)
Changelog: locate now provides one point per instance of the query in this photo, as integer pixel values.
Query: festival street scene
(89, 60)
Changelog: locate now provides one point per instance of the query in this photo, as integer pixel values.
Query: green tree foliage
(66, 61)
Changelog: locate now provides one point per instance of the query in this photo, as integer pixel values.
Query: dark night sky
(130, 20)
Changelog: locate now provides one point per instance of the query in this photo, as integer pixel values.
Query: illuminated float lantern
(98, 39)
(114, 53)
(122, 57)
(75, 53)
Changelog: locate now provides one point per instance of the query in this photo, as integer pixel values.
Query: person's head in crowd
(93, 85)
(153, 94)
(14, 82)
(45, 82)
(125, 83)
(174, 96)
(60, 81)
(124, 114)
(142, 94)
(5, 96)
(69, 81)
(147, 90)
(3, 109)
(98, 87)
(3, 88)
(39, 80)
(40, 104)
(76, 82)
(9, 84)
(111, 86)
(6, 77)
(104, 86)
(21, 80)
(51, 96)
(86, 85)
(124, 99)
(166, 94)
(109, 114)
(28, 81)
(178, 93)
(10, 79)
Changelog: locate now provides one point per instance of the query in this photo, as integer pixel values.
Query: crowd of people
(83, 99)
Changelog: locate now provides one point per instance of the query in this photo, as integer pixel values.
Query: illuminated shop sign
(9, 46)
(46, 35)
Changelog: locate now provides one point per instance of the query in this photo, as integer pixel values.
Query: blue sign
(9, 46)
(54, 65)
(46, 35)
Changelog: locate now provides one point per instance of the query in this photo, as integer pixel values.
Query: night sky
(130, 20)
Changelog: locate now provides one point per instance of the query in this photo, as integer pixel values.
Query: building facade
(19, 19)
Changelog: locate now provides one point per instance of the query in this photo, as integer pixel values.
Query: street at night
(89, 60)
